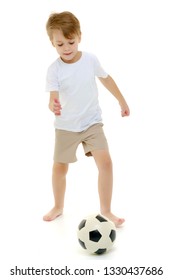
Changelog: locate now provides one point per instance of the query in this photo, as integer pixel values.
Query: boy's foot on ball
(117, 221)
(53, 214)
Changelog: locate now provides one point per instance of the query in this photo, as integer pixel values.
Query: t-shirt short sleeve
(52, 83)
(99, 71)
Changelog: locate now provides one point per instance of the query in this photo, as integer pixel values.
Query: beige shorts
(67, 142)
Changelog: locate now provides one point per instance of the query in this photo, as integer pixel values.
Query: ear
(79, 38)
(52, 43)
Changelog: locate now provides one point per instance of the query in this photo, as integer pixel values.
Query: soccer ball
(96, 234)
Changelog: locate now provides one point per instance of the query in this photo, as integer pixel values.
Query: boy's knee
(105, 164)
(60, 168)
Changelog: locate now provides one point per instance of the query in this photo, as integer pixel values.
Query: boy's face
(66, 48)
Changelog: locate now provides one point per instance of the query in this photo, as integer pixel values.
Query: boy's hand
(57, 107)
(125, 111)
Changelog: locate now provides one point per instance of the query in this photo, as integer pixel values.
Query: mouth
(68, 53)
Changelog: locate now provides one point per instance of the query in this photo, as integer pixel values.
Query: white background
(133, 41)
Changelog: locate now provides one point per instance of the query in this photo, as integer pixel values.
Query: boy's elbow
(105, 80)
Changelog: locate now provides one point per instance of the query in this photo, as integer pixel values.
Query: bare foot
(53, 214)
(117, 221)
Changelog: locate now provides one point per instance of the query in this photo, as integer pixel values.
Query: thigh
(66, 143)
(94, 139)
(102, 158)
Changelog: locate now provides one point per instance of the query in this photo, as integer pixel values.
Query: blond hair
(66, 22)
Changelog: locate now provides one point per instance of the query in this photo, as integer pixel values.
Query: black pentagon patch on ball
(82, 243)
(82, 224)
(112, 235)
(94, 235)
(100, 218)
(100, 251)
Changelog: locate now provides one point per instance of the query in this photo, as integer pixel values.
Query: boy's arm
(111, 86)
(54, 104)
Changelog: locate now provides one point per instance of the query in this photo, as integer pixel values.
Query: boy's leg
(59, 172)
(105, 184)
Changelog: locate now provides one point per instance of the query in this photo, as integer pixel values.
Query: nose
(66, 47)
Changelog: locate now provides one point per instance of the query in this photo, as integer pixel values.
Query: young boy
(74, 101)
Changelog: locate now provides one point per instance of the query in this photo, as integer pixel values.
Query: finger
(57, 103)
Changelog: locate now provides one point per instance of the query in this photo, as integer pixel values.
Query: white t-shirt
(78, 93)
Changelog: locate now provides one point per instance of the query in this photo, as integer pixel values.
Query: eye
(71, 43)
(60, 45)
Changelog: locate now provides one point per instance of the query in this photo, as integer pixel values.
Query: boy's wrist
(122, 102)
(51, 106)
